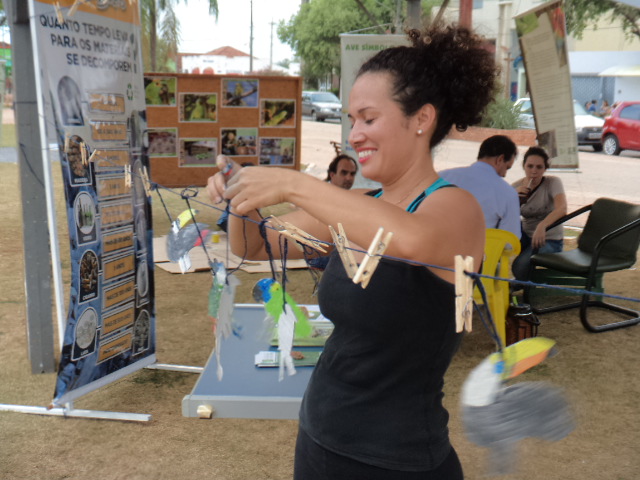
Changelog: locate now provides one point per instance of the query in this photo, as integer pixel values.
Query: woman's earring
(420, 132)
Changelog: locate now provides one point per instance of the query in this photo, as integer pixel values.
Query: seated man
(342, 171)
(484, 179)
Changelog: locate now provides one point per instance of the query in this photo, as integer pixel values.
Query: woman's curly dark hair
(447, 67)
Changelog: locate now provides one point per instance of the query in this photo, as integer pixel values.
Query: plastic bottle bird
(221, 303)
(498, 416)
(180, 241)
(185, 217)
(287, 315)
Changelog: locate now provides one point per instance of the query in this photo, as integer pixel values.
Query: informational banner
(92, 84)
(543, 41)
(355, 49)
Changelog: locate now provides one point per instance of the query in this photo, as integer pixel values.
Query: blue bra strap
(439, 183)
(413, 206)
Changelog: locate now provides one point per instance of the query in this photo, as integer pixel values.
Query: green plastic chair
(608, 243)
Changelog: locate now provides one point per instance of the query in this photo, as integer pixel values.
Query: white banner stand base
(175, 368)
(69, 411)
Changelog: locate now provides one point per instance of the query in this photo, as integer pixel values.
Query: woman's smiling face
(381, 134)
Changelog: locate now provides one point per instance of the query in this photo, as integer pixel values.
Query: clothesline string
(156, 186)
(398, 259)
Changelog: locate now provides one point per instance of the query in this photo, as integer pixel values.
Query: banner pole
(56, 264)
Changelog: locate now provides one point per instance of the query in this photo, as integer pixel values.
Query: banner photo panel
(95, 98)
(543, 40)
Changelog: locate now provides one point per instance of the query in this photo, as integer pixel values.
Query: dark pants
(313, 462)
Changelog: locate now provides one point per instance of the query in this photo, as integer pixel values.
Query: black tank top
(376, 393)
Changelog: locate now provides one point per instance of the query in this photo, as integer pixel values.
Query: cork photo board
(192, 118)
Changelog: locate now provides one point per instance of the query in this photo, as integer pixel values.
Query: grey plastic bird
(181, 241)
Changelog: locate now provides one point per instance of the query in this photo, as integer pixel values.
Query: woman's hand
(539, 236)
(258, 187)
(217, 184)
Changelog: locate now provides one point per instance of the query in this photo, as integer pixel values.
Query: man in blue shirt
(485, 180)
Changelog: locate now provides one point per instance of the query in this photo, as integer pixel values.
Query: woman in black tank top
(373, 408)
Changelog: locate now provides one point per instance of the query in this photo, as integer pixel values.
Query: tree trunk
(153, 35)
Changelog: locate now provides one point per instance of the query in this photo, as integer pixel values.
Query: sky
(200, 33)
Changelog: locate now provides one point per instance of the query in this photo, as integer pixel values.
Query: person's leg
(313, 462)
(551, 246)
(310, 459)
(521, 264)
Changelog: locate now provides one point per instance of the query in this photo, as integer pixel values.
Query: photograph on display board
(160, 91)
(277, 113)
(239, 141)
(163, 142)
(198, 107)
(77, 157)
(70, 101)
(277, 151)
(85, 218)
(240, 92)
(198, 152)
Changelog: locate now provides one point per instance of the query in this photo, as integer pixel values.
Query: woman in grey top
(542, 202)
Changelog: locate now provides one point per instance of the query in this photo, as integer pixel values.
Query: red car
(621, 130)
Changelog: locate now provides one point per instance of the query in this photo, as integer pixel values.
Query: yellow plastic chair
(500, 246)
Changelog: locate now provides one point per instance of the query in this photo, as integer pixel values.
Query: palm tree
(159, 15)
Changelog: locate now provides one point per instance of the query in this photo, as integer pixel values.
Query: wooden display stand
(256, 119)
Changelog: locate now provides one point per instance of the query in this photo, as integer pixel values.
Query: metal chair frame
(590, 281)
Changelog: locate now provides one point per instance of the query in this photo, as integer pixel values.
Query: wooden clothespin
(346, 255)
(371, 259)
(74, 7)
(127, 176)
(464, 292)
(93, 154)
(294, 233)
(56, 6)
(146, 183)
(83, 154)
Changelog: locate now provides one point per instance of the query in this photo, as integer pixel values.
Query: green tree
(158, 16)
(582, 14)
(313, 33)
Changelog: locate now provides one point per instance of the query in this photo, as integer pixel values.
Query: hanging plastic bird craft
(221, 303)
(287, 315)
(497, 416)
(181, 240)
(185, 217)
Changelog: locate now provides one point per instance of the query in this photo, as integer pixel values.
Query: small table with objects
(247, 390)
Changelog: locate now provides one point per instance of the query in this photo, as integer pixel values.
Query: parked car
(622, 129)
(588, 127)
(321, 105)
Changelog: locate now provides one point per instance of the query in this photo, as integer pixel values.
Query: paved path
(599, 175)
